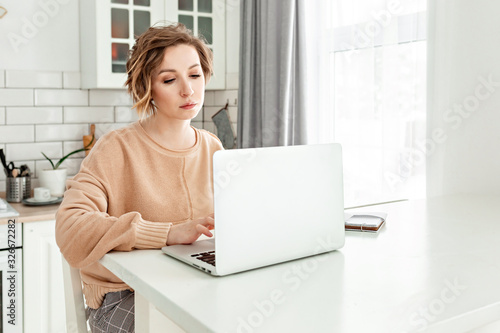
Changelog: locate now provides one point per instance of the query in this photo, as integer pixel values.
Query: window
(377, 75)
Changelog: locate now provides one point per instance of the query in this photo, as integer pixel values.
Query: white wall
(40, 35)
(463, 97)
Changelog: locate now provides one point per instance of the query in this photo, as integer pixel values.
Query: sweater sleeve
(85, 232)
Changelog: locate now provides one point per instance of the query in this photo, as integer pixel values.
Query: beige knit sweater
(127, 194)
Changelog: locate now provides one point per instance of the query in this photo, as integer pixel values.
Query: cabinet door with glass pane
(208, 19)
(108, 29)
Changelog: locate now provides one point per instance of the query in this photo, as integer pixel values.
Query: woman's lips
(188, 106)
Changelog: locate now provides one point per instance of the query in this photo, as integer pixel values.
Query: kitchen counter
(31, 213)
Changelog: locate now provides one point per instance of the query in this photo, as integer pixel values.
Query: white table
(435, 265)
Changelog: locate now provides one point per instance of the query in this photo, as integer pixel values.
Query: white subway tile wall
(34, 115)
(61, 97)
(125, 114)
(17, 133)
(32, 151)
(31, 79)
(197, 124)
(209, 98)
(110, 97)
(199, 117)
(2, 78)
(47, 112)
(62, 132)
(16, 97)
(226, 96)
(85, 114)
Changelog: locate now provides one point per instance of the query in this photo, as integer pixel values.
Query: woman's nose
(186, 89)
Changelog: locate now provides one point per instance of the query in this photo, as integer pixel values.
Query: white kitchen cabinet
(207, 18)
(107, 32)
(44, 309)
(108, 29)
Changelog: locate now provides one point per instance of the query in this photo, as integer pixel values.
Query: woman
(146, 185)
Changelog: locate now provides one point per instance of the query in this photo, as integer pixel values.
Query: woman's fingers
(207, 222)
(204, 230)
(210, 222)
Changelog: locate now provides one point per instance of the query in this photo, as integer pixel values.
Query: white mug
(42, 194)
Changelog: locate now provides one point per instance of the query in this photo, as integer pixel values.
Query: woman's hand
(188, 232)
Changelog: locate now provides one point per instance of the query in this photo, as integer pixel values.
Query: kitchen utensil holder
(18, 188)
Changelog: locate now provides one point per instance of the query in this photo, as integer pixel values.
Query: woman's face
(178, 87)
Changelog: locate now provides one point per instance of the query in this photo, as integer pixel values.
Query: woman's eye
(168, 81)
(196, 75)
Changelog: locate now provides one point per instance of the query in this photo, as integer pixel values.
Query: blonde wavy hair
(147, 55)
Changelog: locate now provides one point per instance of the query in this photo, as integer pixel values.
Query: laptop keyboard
(208, 257)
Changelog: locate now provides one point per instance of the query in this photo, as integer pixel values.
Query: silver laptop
(271, 205)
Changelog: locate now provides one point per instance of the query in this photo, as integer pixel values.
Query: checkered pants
(116, 314)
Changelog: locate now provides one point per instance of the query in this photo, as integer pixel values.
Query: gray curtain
(272, 87)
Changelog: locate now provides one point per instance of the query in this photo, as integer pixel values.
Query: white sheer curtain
(372, 85)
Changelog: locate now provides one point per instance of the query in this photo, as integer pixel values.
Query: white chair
(76, 319)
